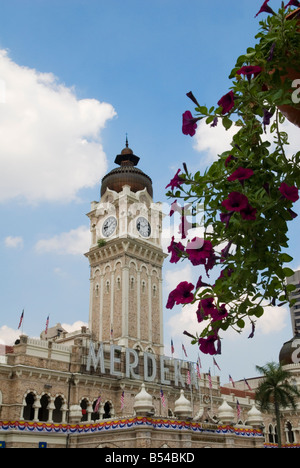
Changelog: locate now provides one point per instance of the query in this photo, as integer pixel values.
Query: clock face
(143, 227)
(109, 226)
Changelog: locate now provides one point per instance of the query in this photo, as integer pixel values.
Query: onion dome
(290, 351)
(226, 413)
(255, 418)
(126, 174)
(143, 402)
(183, 406)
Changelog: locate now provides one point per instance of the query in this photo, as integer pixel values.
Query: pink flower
(229, 159)
(201, 252)
(265, 8)
(181, 295)
(236, 201)
(207, 345)
(293, 3)
(240, 174)
(227, 102)
(290, 193)
(175, 249)
(249, 213)
(250, 70)
(219, 314)
(189, 123)
(176, 181)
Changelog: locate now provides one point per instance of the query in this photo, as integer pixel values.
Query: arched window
(107, 286)
(84, 404)
(270, 434)
(28, 412)
(154, 290)
(57, 412)
(43, 411)
(289, 433)
(107, 410)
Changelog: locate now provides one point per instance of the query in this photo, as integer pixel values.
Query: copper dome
(126, 174)
(288, 349)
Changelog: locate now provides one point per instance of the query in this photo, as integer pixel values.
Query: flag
(215, 364)
(238, 409)
(21, 319)
(199, 362)
(97, 405)
(184, 350)
(247, 384)
(47, 325)
(198, 370)
(188, 378)
(172, 347)
(209, 379)
(122, 400)
(231, 380)
(162, 397)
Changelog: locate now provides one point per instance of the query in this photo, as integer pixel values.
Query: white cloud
(177, 274)
(74, 326)
(50, 142)
(273, 321)
(13, 242)
(213, 140)
(74, 242)
(8, 335)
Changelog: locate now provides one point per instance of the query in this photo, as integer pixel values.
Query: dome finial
(126, 140)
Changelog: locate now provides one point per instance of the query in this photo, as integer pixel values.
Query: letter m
(96, 360)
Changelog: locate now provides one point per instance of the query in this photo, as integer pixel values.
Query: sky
(75, 77)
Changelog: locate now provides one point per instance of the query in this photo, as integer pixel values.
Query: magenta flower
(249, 213)
(290, 193)
(219, 314)
(189, 123)
(192, 97)
(250, 70)
(240, 174)
(201, 252)
(207, 345)
(293, 3)
(176, 181)
(265, 8)
(226, 102)
(252, 331)
(200, 283)
(229, 159)
(175, 249)
(225, 218)
(207, 305)
(236, 201)
(181, 295)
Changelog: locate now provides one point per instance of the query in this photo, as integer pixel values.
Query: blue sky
(76, 75)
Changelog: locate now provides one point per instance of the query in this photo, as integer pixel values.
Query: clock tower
(126, 259)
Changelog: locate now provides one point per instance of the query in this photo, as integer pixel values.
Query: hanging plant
(248, 193)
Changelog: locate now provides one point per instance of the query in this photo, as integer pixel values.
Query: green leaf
(227, 123)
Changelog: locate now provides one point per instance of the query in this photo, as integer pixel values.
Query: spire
(127, 157)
